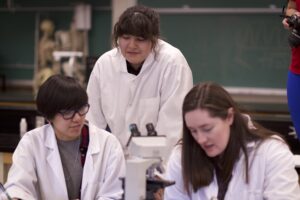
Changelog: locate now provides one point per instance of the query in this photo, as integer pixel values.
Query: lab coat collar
(251, 145)
(53, 159)
(146, 65)
(94, 145)
(211, 191)
(92, 153)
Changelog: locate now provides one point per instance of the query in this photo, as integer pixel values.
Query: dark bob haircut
(139, 21)
(60, 93)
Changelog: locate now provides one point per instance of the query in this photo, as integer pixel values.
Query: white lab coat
(155, 95)
(272, 176)
(37, 172)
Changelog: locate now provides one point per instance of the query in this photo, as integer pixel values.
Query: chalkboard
(213, 3)
(245, 50)
(17, 44)
(18, 31)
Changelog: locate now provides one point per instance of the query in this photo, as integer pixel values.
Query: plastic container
(39, 121)
(23, 127)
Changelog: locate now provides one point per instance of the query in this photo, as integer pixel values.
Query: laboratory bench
(274, 116)
(15, 105)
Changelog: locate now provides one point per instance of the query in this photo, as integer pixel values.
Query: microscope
(146, 154)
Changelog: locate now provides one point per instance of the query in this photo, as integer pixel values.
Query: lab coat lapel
(210, 191)
(239, 175)
(148, 63)
(54, 161)
(88, 170)
(122, 61)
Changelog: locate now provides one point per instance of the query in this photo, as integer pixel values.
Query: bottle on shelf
(39, 121)
(23, 127)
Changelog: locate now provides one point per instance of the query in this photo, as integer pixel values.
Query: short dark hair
(58, 93)
(139, 21)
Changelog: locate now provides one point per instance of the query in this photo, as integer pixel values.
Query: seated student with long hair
(221, 157)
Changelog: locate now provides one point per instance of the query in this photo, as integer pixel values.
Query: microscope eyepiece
(151, 130)
(134, 130)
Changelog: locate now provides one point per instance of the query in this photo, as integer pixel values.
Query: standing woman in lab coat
(223, 156)
(142, 80)
(67, 158)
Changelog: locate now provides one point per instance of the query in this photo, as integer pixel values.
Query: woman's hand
(285, 24)
(159, 194)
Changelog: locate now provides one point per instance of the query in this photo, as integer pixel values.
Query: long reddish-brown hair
(197, 167)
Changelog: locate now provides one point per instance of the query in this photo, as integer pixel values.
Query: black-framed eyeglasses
(69, 114)
(2, 189)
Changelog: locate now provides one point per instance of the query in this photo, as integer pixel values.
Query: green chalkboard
(213, 3)
(245, 50)
(17, 44)
(19, 27)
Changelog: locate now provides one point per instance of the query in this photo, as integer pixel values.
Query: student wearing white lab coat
(51, 162)
(221, 157)
(143, 80)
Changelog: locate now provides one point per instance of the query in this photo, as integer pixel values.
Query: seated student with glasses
(67, 158)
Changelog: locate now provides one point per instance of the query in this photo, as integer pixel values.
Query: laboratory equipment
(146, 154)
(23, 127)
